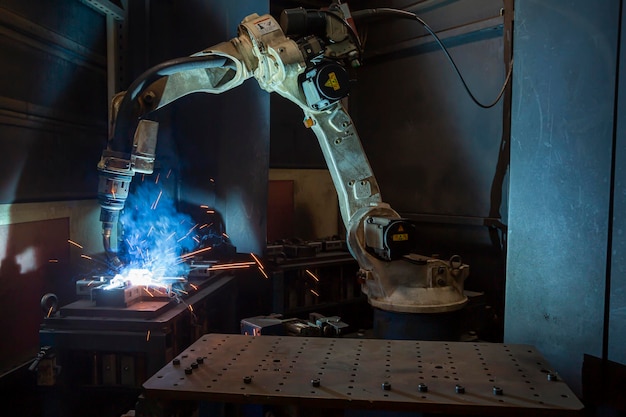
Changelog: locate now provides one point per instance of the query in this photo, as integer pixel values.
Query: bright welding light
(155, 234)
(135, 276)
(140, 276)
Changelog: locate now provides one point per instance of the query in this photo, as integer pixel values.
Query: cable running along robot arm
(304, 58)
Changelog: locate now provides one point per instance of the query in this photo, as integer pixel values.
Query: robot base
(418, 326)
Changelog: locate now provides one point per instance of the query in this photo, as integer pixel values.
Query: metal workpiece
(350, 373)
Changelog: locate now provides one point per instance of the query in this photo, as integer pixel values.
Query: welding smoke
(154, 233)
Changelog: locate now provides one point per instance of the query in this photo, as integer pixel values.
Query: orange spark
(212, 179)
(232, 265)
(226, 267)
(263, 272)
(156, 181)
(225, 235)
(85, 256)
(53, 261)
(210, 212)
(195, 287)
(312, 275)
(187, 255)
(50, 311)
(148, 336)
(204, 206)
(196, 239)
(314, 293)
(159, 291)
(149, 293)
(71, 242)
(257, 261)
(190, 308)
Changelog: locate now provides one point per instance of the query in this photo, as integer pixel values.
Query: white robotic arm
(304, 59)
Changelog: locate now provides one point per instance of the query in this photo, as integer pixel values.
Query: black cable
(385, 11)
(174, 66)
(127, 119)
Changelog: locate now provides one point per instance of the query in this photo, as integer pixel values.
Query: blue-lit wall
(562, 147)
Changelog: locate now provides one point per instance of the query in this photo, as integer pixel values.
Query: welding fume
(307, 57)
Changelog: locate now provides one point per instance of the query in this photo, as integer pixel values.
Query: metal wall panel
(561, 143)
(53, 102)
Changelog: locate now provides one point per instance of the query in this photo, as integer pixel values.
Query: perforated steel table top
(341, 373)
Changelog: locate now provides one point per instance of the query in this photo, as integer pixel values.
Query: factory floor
(21, 396)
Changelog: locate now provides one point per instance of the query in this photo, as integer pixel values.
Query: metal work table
(343, 373)
(155, 330)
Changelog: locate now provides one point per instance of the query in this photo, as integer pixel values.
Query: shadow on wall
(35, 261)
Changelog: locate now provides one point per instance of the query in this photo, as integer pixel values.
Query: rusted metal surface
(451, 377)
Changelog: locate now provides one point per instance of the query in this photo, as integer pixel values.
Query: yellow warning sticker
(332, 81)
(400, 237)
(400, 228)
(266, 25)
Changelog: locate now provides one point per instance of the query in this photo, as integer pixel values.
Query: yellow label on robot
(332, 81)
(400, 237)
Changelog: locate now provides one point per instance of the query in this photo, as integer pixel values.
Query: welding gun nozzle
(112, 193)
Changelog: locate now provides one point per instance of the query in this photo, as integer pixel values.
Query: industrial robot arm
(304, 59)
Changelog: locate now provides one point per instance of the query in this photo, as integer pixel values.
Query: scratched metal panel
(617, 300)
(562, 126)
(471, 378)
